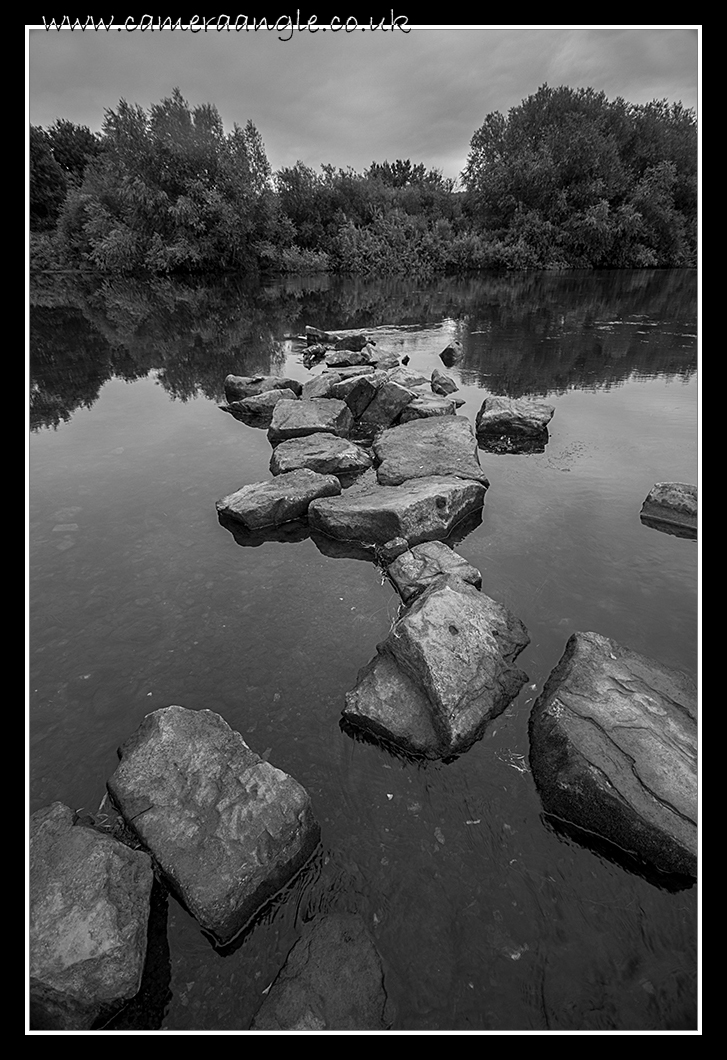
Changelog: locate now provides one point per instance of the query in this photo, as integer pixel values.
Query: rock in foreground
(89, 915)
(423, 509)
(227, 828)
(281, 500)
(671, 507)
(332, 980)
(422, 448)
(452, 652)
(613, 750)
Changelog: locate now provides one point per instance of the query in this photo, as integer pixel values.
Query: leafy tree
(47, 181)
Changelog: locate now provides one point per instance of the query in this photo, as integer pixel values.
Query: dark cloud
(349, 100)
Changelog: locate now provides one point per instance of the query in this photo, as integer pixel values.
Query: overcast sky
(357, 98)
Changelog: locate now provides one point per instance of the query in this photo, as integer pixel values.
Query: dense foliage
(567, 179)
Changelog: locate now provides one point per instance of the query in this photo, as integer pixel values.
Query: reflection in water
(521, 333)
(139, 598)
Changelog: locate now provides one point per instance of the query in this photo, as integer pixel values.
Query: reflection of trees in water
(529, 332)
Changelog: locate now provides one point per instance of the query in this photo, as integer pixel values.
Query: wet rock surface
(444, 445)
(294, 419)
(89, 900)
(332, 980)
(419, 510)
(671, 507)
(613, 750)
(326, 454)
(227, 829)
(281, 500)
(238, 387)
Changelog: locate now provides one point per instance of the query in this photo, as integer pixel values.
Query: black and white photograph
(363, 559)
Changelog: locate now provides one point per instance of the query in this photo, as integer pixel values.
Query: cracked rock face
(227, 828)
(332, 979)
(416, 569)
(613, 749)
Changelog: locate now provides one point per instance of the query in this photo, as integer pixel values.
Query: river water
(485, 917)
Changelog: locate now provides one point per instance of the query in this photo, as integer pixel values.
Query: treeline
(568, 179)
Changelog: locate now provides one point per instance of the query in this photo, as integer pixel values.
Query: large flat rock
(238, 387)
(326, 454)
(295, 419)
(671, 507)
(281, 500)
(89, 914)
(613, 749)
(227, 829)
(332, 979)
(443, 445)
(424, 509)
(427, 405)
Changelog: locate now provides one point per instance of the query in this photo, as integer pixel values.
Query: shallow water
(486, 919)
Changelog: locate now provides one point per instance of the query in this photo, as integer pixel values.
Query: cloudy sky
(350, 99)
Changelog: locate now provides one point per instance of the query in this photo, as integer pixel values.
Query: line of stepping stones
(612, 735)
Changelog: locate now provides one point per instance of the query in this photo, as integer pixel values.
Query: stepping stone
(416, 569)
(347, 358)
(672, 508)
(390, 399)
(281, 500)
(332, 979)
(227, 828)
(516, 419)
(238, 387)
(295, 419)
(456, 647)
(442, 384)
(89, 916)
(325, 454)
(427, 405)
(613, 750)
(358, 391)
(320, 386)
(419, 510)
(257, 411)
(444, 445)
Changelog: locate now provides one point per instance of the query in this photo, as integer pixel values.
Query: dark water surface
(486, 919)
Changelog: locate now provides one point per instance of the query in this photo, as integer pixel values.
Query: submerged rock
(613, 750)
(420, 510)
(238, 387)
(671, 507)
(227, 829)
(295, 419)
(326, 454)
(453, 652)
(263, 504)
(505, 421)
(414, 570)
(332, 979)
(89, 900)
(444, 445)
